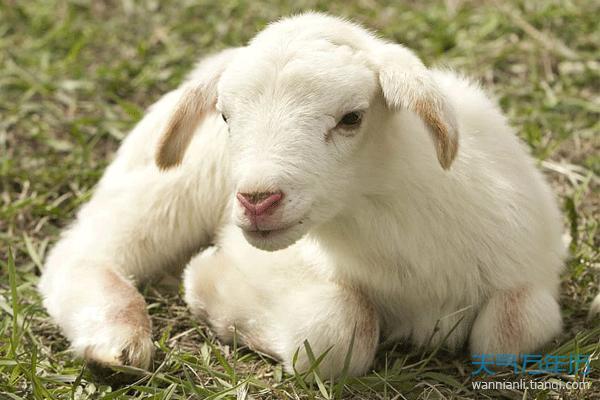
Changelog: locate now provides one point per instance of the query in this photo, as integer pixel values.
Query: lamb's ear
(407, 84)
(197, 99)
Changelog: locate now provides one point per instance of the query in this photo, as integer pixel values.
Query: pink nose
(259, 203)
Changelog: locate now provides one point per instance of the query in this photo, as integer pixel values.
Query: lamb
(328, 187)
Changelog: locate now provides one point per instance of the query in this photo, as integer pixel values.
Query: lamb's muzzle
(258, 204)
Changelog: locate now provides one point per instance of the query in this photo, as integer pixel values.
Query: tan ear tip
(165, 166)
(166, 162)
(446, 164)
(162, 166)
(445, 161)
(447, 150)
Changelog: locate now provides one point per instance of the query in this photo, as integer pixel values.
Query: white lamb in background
(350, 192)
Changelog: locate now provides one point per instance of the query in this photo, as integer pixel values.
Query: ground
(75, 76)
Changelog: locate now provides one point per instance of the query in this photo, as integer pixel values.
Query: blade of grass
(344, 375)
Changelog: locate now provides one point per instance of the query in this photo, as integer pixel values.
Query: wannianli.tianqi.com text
(524, 384)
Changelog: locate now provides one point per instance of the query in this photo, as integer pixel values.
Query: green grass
(76, 76)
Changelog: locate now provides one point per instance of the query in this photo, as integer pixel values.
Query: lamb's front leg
(139, 223)
(516, 321)
(100, 311)
(276, 305)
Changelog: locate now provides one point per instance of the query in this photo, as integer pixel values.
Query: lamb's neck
(364, 231)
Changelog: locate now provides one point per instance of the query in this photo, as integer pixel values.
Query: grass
(75, 76)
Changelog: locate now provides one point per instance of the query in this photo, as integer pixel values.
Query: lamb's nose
(259, 203)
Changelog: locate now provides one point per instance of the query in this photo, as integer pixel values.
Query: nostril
(259, 202)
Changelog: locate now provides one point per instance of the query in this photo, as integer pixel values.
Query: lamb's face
(299, 102)
(296, 122)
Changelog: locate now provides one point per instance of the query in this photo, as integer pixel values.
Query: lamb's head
(300, 101)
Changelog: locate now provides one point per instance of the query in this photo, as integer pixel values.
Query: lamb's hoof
(107, 365)
(113, 375)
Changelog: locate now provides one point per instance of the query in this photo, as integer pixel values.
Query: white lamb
(351, 192)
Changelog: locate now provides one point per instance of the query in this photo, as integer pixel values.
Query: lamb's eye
(224, 117)
(351, 120)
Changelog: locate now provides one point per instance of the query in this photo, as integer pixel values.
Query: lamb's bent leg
(516, 322)
(139, 222)
(275, 311)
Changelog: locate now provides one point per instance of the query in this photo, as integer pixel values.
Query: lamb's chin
(273, 240)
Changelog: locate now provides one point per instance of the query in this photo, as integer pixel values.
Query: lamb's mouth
(258, 233)
(277, 238)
